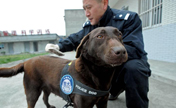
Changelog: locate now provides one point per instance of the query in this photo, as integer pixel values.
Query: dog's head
(103, 46)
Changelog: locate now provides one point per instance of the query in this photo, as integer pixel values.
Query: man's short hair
(99, 1)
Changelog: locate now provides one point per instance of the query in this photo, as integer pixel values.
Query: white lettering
(92, 92)
(82, 89)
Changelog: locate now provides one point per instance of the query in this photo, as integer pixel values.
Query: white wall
(41, 45)
(18, 47)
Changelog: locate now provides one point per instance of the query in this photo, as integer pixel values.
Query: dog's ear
(118, 34)
(80, 47)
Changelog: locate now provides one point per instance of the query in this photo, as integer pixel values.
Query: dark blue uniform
(133, 76)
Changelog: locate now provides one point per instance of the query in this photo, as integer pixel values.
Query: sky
(35, 14)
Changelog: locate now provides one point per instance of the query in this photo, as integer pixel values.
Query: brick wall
(169, 12)
(160, 42)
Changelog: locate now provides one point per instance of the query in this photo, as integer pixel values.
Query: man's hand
(51, 48)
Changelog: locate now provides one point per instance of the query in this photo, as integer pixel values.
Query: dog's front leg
(102, 103)
(83, 101)
(45, 99)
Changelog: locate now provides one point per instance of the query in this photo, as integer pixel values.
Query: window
(1, 46)
(150, 12)
(35, 44)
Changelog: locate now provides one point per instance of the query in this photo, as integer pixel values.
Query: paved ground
(161, 94)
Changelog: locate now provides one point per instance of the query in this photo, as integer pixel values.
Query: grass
(10, 58)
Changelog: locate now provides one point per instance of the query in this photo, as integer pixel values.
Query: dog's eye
(100, 37)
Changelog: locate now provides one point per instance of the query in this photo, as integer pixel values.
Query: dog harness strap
(70, 85)
(64, 95)
(82, 89)
(67, 105)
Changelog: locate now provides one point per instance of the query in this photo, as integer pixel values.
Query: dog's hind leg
(45, 99)
(32, 96)
(32, 91)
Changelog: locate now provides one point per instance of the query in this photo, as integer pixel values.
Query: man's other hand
(52, 48)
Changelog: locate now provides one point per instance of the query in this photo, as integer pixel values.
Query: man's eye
(100, 37)
(88, 7)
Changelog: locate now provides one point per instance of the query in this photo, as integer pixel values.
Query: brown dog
(97, 55)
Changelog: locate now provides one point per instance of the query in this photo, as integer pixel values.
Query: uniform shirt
(127, 22)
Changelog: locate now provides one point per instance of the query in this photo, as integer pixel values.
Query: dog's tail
(12, 71)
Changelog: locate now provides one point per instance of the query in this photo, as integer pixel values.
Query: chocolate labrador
(97, 56)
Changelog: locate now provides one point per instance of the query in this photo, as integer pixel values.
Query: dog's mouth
(111, 60)
(114, 61)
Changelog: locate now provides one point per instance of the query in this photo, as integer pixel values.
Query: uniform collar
(106, 18)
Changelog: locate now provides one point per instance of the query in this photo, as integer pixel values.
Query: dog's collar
(69, 85)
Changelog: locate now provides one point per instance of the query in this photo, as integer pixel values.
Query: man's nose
(87, 13)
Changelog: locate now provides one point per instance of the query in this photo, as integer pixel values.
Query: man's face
(94, 10)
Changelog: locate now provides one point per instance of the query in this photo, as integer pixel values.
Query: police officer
(133, 75)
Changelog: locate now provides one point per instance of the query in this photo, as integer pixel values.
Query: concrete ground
(162, 92)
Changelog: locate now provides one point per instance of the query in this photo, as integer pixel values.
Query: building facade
(25, 43)
(159, 24)
(74, 19)
(158, 20)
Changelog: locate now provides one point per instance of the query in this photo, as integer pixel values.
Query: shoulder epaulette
(121, 16)
(87, 23)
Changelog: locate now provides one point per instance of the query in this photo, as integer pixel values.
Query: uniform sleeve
(71, 43)
(133, 38)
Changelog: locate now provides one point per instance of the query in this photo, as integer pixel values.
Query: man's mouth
(90, 19)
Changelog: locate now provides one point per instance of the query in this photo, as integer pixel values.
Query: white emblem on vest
(67, 84)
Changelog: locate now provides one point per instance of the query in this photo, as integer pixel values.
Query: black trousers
(133, 76)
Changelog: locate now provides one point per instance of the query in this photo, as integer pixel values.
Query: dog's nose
(119, 51)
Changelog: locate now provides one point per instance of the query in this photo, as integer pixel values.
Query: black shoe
(114, 97)
(111, 97)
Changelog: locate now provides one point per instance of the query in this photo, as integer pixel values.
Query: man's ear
(105, 2)
(80, 47)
